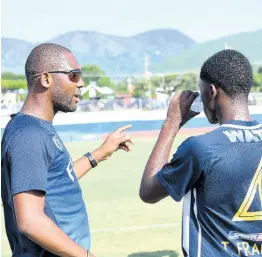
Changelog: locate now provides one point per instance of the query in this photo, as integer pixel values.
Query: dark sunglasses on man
(73, 75)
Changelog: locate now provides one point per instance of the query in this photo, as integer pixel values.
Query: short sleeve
(30, 155)
(183, 171)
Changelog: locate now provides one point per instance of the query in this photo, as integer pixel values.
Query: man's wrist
(99, 155)
(171, 125)
(91, 159)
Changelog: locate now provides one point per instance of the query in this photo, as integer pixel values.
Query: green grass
(122, 225)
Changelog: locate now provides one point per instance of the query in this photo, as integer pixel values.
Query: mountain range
(168, 50)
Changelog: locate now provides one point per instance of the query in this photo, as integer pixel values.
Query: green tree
(8, 84)
(177, 83)
(141, 86)
(12, 76)
(121, 87)
(105, 82)
(169, 83)
(92, 73)
(257, 84)
(189, 82)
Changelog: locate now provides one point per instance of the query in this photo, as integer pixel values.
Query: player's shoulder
(201, 141)
(202, 144)
(193, 146)
(23, 126)
(213, 137)
(234, 131)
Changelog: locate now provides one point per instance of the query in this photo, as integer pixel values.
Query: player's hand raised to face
(119, 139)
(179, 108)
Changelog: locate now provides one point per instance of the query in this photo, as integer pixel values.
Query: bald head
(45, 57)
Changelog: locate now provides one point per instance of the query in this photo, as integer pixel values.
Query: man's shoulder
(228, 133)
(203, 144)
(210, 138)
(23, 127)
(191, 146)
(193, 143)
(25, 122)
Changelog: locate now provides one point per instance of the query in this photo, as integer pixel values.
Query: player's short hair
(229, 70)
(44, 57)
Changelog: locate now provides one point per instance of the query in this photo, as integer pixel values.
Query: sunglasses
(73, 75)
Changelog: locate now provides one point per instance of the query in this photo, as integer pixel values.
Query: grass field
(121, 224)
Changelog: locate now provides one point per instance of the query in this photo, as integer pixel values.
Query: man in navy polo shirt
(45, 214)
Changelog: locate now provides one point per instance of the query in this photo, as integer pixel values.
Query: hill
(111, 53)
(249, 43)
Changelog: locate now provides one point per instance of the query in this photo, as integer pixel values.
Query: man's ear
(211, 92)
(46, 80)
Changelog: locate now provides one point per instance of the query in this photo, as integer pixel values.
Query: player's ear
(46, 80)
(212, 92)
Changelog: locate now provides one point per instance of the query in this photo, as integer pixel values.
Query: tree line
(165, 83)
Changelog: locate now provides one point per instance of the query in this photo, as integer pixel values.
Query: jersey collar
(242, 124)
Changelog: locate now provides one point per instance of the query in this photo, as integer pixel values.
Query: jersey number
(255, 188)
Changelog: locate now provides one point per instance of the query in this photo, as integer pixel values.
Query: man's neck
(233, 111)
(38, 107)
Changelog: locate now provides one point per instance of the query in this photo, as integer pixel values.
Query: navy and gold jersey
(219, 174)
(34, 158)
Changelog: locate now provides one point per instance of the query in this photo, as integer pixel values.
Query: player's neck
(38, 107)
(233, 112)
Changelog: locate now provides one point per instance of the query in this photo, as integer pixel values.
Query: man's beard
(63, 102)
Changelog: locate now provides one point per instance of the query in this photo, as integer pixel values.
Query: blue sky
(36, 20)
